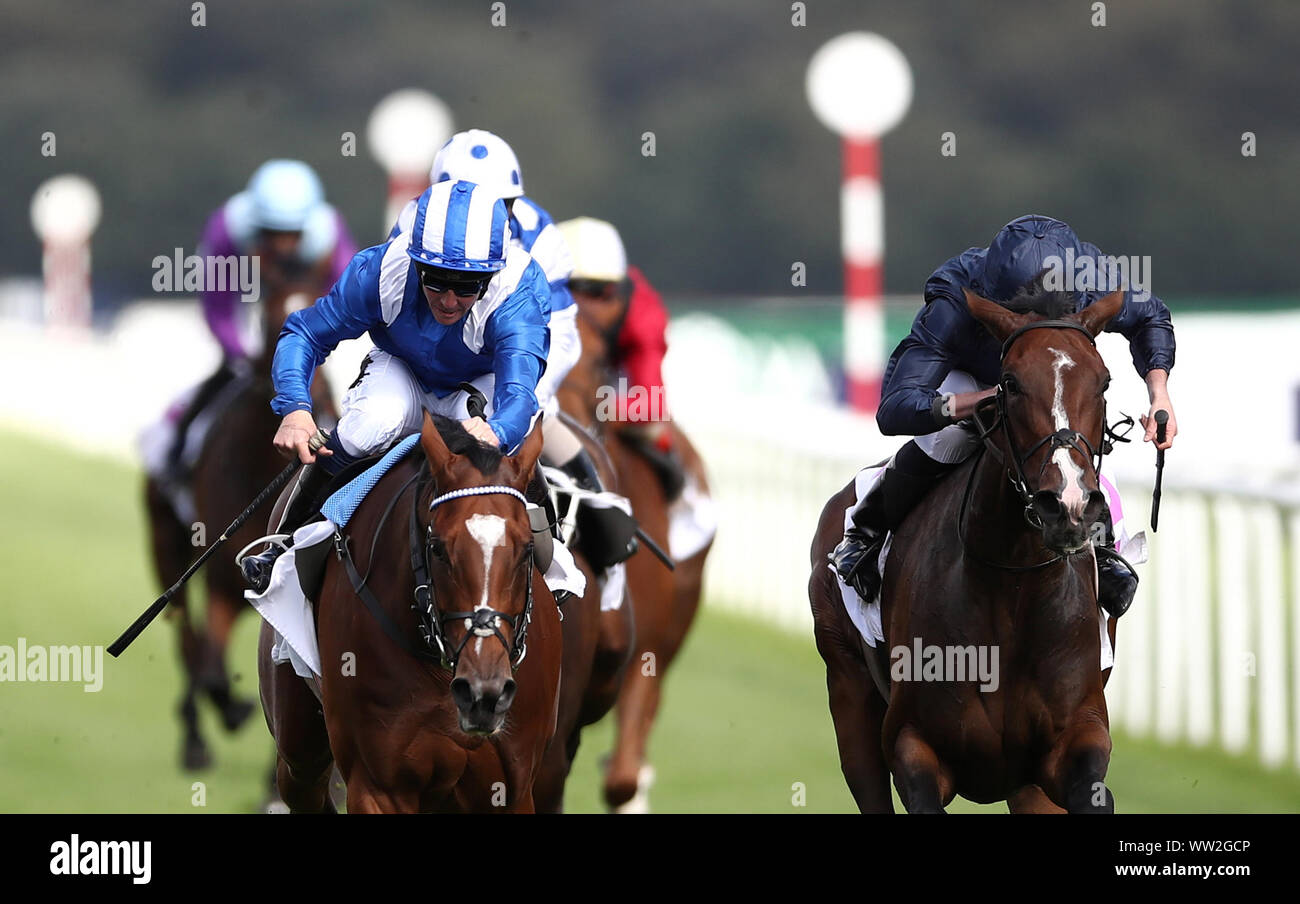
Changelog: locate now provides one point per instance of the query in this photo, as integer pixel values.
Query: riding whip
(1162, 421)
(159, 604)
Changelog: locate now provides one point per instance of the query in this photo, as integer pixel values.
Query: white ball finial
(406, 129)
(65, 209)
(859, 85)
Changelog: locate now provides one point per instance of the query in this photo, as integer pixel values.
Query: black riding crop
(159, 604)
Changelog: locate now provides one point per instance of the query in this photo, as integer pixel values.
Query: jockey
(630, 312)
(948, 364)
(450, 300)
(485, 158)
(282, 218)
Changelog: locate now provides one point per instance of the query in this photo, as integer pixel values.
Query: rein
(481, 622)
(1061, 439)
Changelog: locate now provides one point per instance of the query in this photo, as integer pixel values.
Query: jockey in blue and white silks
(449, 301)
(482, 157)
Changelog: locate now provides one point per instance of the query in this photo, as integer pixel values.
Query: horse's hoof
(236, 713)
(195, 755)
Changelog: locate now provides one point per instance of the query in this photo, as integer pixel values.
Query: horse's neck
(995, 525)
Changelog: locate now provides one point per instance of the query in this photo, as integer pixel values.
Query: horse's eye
(1012, 385)
(438, 548)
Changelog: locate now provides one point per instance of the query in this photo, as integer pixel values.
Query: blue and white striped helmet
(460, 226)
(478, 155)
(284, 194)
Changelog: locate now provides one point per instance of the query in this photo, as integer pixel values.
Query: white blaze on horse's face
(490, 532)
(1074, 496)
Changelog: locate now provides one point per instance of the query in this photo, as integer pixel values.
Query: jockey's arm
(520, 341)
(349, 309)
(910, 387)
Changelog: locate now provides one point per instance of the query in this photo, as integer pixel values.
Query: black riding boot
(583, 471)
(606, 535)
(302, 505)
(904, 484)
(1116, 579)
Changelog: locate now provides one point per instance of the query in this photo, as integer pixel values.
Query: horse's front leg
(1076, 768)
(923, 782)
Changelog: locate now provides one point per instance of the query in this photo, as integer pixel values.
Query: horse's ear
(1095, 317)
(440, 457)
(530, 450)
(999, 321)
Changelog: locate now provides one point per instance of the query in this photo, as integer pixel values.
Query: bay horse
(462, 729)
(996, 560)
(235, 464)
(663, 602)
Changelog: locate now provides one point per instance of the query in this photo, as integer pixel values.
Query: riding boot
(301, 507)
(1116, 579)
(583, 471)
(174, 469)
(906, 480)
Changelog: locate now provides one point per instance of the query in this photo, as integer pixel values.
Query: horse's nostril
(461, 693)
(507, 696)
(1047, 502)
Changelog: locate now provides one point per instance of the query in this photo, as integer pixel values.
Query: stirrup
(269, 540)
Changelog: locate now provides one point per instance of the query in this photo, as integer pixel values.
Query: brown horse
(235, 464)
(451, 711)
(663, 602)
(995, 562)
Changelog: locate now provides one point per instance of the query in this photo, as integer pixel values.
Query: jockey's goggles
(596, 288)
(460, 284)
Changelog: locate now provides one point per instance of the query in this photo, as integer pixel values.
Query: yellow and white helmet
(596, 248)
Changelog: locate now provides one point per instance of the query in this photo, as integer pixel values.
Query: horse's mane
(458, 440)
(1034, 299)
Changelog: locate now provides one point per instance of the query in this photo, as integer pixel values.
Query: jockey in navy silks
(949, 362)
(450, 300)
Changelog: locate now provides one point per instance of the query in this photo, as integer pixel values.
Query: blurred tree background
(1131, 132)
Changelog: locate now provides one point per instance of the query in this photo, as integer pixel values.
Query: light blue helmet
(460, 226)
(285, 194)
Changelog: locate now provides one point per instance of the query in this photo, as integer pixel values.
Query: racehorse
(237, 460)
(449, 708)
(997, 559)
(663, 602)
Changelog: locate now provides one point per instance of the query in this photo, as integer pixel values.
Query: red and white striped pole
(65, 212)
(859, 85)
(863, 238)
(405, 131)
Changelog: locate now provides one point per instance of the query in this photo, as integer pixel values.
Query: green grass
(744, 714)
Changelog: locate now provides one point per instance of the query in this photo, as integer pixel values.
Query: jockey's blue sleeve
(915, 370)
(560, 297)
(1145, 324)
(349, 309)
(520, 341)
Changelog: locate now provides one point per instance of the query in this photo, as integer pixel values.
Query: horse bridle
(483, 621)
(1064, 438)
